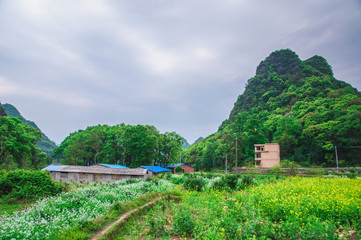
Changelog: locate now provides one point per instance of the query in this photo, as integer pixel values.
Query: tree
(18, 145)
(170, 146)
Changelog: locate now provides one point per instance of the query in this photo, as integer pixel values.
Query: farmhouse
(186, 168)
(155, 170)
(94, 174)
(267, 155)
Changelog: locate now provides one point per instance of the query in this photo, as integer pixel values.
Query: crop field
(204, 206)
(295, 208)
(52, 215)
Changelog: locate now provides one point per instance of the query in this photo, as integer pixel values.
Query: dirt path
(124, 216)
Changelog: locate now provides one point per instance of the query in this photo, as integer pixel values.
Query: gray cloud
(177, 65)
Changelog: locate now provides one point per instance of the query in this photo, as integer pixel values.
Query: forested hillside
(18, 144)
(298, 104)
(128, 145)
(45, 144)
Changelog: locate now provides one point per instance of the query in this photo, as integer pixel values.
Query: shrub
(166, 175)
(23, 184)
(178, 169)
(291, 167)
(276, 170)
(183, 224)
(247, 180)
(231, 180)
(194, 183)
(177, 179)
(156, 226)
(218, 183)
(315, 171)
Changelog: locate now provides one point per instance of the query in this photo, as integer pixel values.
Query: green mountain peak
(298, 104)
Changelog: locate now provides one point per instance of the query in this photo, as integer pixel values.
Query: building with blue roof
(52, 168)
(108, 165)
(186, 168)
(155, 170)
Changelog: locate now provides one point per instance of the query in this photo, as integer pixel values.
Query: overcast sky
(178, 65)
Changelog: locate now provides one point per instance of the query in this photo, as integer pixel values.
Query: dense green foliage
(18, 145)
(298, 104)
(45, 144)
(24, 184)
(128, 145)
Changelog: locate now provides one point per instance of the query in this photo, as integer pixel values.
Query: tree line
(127, 145)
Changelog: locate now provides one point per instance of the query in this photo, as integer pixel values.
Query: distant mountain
(185, 144)
(2, 112)
(45, 144)
(198, 140)
(296, 103)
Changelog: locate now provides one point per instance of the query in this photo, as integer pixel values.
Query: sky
(177, 65)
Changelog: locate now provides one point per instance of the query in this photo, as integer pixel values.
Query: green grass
(9, 206)
(52, 217)
(296, 208)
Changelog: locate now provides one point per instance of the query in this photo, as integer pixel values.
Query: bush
(178, 169)
(244, 182)
(177, 179)
(23, 184)
(276, 170)
(165, 175)
(315, 171)
(291, 167)
(231, 180)
(218, 183)
(184, 224)
(194, 183)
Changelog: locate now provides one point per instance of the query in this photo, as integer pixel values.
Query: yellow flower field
(336, 200)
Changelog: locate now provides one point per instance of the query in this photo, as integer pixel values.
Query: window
(259, 148)
(63, 174)
(258, 155)
(258, 163)
(83, 176)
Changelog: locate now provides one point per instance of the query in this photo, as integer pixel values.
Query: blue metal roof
(112, 165)
(156, 169)
(52, 168)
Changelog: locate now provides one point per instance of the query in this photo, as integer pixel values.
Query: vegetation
(294, 208)
(54, 215)
(213, 206)
(298, 104)
(128, 145)
(18, 145)
(45, 144)
(23, 184)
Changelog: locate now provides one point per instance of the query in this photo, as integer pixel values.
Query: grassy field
(10, 206)
(203, 206)
(50, 216)
(295, 208)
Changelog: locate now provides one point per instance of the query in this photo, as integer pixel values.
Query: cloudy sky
(178, 65)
